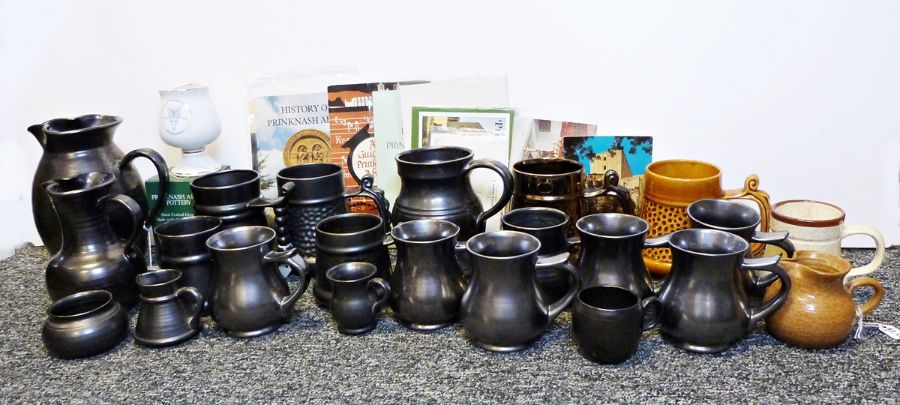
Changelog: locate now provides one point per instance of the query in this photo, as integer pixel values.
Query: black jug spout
(38, 131)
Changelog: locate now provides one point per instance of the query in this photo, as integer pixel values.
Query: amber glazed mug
(672, 185)
(819, 226)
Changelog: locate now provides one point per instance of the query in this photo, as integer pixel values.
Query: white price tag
(889, 330)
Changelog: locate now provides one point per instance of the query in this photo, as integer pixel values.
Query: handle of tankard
(196, 303)
(382, 291)
(778, 238)
(505, 177)
(137, 218)
(162, 171)
(557, 307)
(300, 268)
(611, 188)
(751, 191)
(879, 248)
(367, 189)
(770, 264)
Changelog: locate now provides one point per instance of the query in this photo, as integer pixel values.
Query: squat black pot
(84, 324)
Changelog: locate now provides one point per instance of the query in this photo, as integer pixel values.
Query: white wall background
(804, 93)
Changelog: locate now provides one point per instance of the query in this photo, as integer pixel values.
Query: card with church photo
(627, 155)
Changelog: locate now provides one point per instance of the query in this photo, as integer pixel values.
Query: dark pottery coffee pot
(91, 256)
(233, 196)
(84, 324)
(435, 185)
(611, 247)
(170, 314)
(182, 246)
(250, 296)
(358, 296)
(608, 321)
(704, 305)
(354, 237)
(550, 226)
(313, 192)
(85, 144)
(427, 283)
(741, 220)
(560, 184)
(503, 309)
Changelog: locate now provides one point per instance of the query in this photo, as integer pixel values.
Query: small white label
(889, 330)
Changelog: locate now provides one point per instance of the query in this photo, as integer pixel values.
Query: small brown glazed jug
(819, 311)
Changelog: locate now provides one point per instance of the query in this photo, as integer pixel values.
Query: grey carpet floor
(309, 361)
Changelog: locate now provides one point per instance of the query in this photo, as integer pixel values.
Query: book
(352, 131)
(289, 130)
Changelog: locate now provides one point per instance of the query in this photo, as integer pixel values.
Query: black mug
(313, 192)
(358, 296)
(182, 246)
(233, 196)
(741, 220)
(608, 321)
(353, 237)
(550, 226)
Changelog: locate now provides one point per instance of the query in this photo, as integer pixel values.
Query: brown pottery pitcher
(819, 311)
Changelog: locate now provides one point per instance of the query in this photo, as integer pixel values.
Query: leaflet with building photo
(627, 155)
(545, 137)
(487, 132)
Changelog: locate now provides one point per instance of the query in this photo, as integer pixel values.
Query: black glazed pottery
(435, 185)
(84, 324)
(607, 322)
(358, 296)
(353, 237)
(313, 192)
(250, 296)
(72, 146)
(182, 246)
(550, 226)
(233, 196)
(427, 283)
(91, 256)
(503, 309)
(169, 314)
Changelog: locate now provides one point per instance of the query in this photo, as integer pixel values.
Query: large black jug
(85, 144)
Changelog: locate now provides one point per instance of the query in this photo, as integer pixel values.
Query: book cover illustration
(627, 155)
(487, 132)
(288, 130)
(352, 130)
(545, 137)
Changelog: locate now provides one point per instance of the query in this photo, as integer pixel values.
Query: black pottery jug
(353, 237)
(169, 313)
(435, 185)
(704, 305)
(91, 257)
(250, 297)
(611, 247)
(85, 144)
(427, 283)
(503, 309)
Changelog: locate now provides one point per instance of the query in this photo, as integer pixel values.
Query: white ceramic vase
(188, 120)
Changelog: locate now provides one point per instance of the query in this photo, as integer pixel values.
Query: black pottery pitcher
(91, 256)
(435, 185)
(85, 144)
(503, 309)
(704, 305)
(611, 245)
